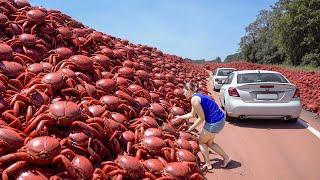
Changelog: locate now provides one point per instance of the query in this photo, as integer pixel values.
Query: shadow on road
(266, 124)
(217, 163)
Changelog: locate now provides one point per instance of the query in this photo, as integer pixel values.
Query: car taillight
(216, 80)
(233, 92)
(296, 93)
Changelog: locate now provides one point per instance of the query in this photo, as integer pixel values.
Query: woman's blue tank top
(211, 110)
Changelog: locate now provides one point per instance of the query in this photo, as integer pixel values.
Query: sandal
(207, 167)
(226, 163)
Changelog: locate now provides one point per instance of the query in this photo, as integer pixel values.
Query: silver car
(219, 75)
(260, 94)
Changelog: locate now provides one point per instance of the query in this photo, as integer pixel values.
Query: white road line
(311, 129)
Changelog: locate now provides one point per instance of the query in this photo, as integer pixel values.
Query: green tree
(233, 57)
(218, 60)
(297, 24)
(257, 38)
(288, 33)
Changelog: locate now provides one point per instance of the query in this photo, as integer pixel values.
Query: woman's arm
(185, 116)
(188, 115)
(182, 119)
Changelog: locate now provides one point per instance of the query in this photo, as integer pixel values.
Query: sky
(195, 29)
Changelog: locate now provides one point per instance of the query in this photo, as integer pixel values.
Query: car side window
(229, 79)
(214, 72)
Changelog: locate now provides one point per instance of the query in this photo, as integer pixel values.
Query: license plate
(267, 96)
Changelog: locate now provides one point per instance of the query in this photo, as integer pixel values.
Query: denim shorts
(214, 127)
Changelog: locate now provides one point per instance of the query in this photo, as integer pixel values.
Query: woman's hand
(177, 121)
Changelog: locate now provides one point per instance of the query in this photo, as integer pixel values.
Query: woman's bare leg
(204, 138)
(205, 151)
(216, 148)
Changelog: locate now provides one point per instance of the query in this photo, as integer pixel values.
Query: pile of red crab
(79, 104)
(307, 82)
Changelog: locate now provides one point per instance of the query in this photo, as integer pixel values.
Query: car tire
(293, 120)
(222, 106)
(230, 119)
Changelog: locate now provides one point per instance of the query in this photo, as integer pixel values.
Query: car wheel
(230, 119)
(293, 120)
(222, 107)
(214, 89)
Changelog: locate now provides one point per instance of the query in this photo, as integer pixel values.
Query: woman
(206, 110)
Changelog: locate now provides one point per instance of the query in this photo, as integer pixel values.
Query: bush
(312, 59)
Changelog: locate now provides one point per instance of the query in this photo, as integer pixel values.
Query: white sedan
(219, 75)
(258, 94)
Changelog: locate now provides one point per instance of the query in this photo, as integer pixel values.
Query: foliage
(218, 60)
(288, 33)
(233, 57)
(201, 61)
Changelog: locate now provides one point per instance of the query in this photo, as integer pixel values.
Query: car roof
(226, 68)
(256, 71)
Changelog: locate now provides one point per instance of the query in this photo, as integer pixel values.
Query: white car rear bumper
(236, 108)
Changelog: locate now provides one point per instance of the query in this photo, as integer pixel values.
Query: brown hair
(190, 86)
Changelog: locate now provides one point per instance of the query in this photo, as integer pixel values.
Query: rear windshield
(260, 77)
(224, 72)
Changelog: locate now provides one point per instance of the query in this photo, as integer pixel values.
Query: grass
(300, 68)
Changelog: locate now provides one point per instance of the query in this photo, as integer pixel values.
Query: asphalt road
(269, 149)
